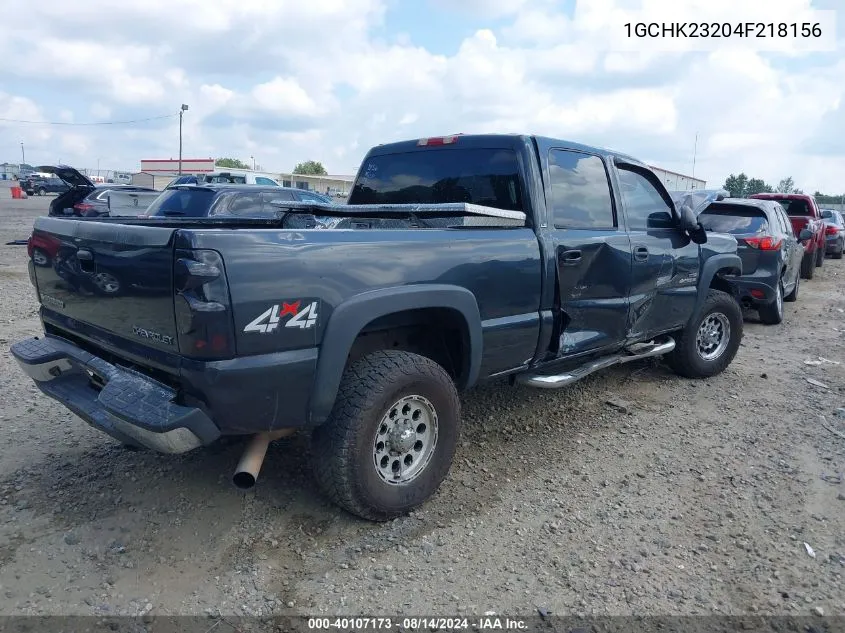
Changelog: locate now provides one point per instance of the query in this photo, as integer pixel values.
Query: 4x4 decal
(269, 320)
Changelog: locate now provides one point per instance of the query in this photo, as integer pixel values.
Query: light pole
(694, 152)
(253, 162)
(23, 154)
(181, 112)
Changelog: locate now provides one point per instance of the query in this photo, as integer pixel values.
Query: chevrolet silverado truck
(803, 213)
(456, 260)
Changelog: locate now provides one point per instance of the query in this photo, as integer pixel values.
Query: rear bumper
(131, 407)
(833, 244)
(754, 290)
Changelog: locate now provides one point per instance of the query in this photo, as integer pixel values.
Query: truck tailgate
(117, 277)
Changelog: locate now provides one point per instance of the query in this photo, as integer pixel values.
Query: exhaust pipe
(247, 471)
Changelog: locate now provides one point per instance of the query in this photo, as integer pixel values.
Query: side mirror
(691, 225)
(805, 234)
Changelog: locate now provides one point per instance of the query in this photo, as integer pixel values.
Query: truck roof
(494, 140)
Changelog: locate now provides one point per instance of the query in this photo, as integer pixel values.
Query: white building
(674, 181)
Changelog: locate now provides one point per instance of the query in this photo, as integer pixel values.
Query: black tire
(793, 296)
(42, 191)
(808, 268)
(772, 313)
(686, 360)
(819, 256)
(345, 447)
(838, 254)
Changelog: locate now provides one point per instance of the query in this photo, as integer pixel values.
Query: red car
(804, 213)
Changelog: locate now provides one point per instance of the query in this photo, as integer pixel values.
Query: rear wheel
(807, 265)
(42, 191)
(819, 256)
(772, 313)
(391, 436)
(840, 250)
(710, 341)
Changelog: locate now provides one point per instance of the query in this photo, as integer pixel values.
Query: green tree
(737, 185)
(231, 163)
(786, 185)
(757, 185)
(310, 168)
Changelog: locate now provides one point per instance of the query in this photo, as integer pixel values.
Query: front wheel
(389, 441)
(710, 341)
(772, 313)
(807, 267)
(819, 256)
(42, 191)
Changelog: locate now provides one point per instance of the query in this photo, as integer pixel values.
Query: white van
(241, 177)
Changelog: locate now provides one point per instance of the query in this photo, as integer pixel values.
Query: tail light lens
(82, 208)
(831, 230)
(766, 243)
(203, 308)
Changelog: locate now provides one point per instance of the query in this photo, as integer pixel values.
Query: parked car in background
(219, 199)
(79, 186)
(96, 203)
(771, 254)
(240, 177)
(38, 185)
(834, 233)
(803, 213)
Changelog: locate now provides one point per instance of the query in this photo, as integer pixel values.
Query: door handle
(641, 253)
(570, 258)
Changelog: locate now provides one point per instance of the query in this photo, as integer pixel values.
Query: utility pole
(253, 162)
(694, 152)
(181, 112)
(23, 154)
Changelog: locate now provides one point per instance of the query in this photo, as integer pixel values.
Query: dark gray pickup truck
(456, 260)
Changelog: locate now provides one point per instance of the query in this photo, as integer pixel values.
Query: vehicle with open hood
(78, 187)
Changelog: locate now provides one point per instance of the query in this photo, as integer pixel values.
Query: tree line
(307, 168)
(741, 186)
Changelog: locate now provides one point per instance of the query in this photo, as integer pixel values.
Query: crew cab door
(665, 261)
(593, 254)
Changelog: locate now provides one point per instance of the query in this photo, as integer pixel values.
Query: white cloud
(290, 81)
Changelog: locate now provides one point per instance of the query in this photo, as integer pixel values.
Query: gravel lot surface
(634, 492)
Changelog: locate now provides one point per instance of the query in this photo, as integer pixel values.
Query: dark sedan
(212, 199)
(771, 254)
(834, 233)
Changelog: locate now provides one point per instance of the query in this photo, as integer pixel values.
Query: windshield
(734, 220)
(488, 177)
(192, 203)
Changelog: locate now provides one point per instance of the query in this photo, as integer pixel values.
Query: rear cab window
(483, 176)
(795, 207)
(734, 219)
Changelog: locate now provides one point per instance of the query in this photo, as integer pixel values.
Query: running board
(561, 380)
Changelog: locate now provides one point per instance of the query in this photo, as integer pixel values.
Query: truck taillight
(203, 308)
(766, 243)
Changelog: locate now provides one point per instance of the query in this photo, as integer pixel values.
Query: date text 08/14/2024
(484, 623)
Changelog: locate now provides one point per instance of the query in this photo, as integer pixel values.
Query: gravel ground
(634, 492)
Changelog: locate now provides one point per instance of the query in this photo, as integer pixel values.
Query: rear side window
(487, 176)
(580, 191)
(261, 180)
(735, 220)
(238, 203)
(191, 203)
